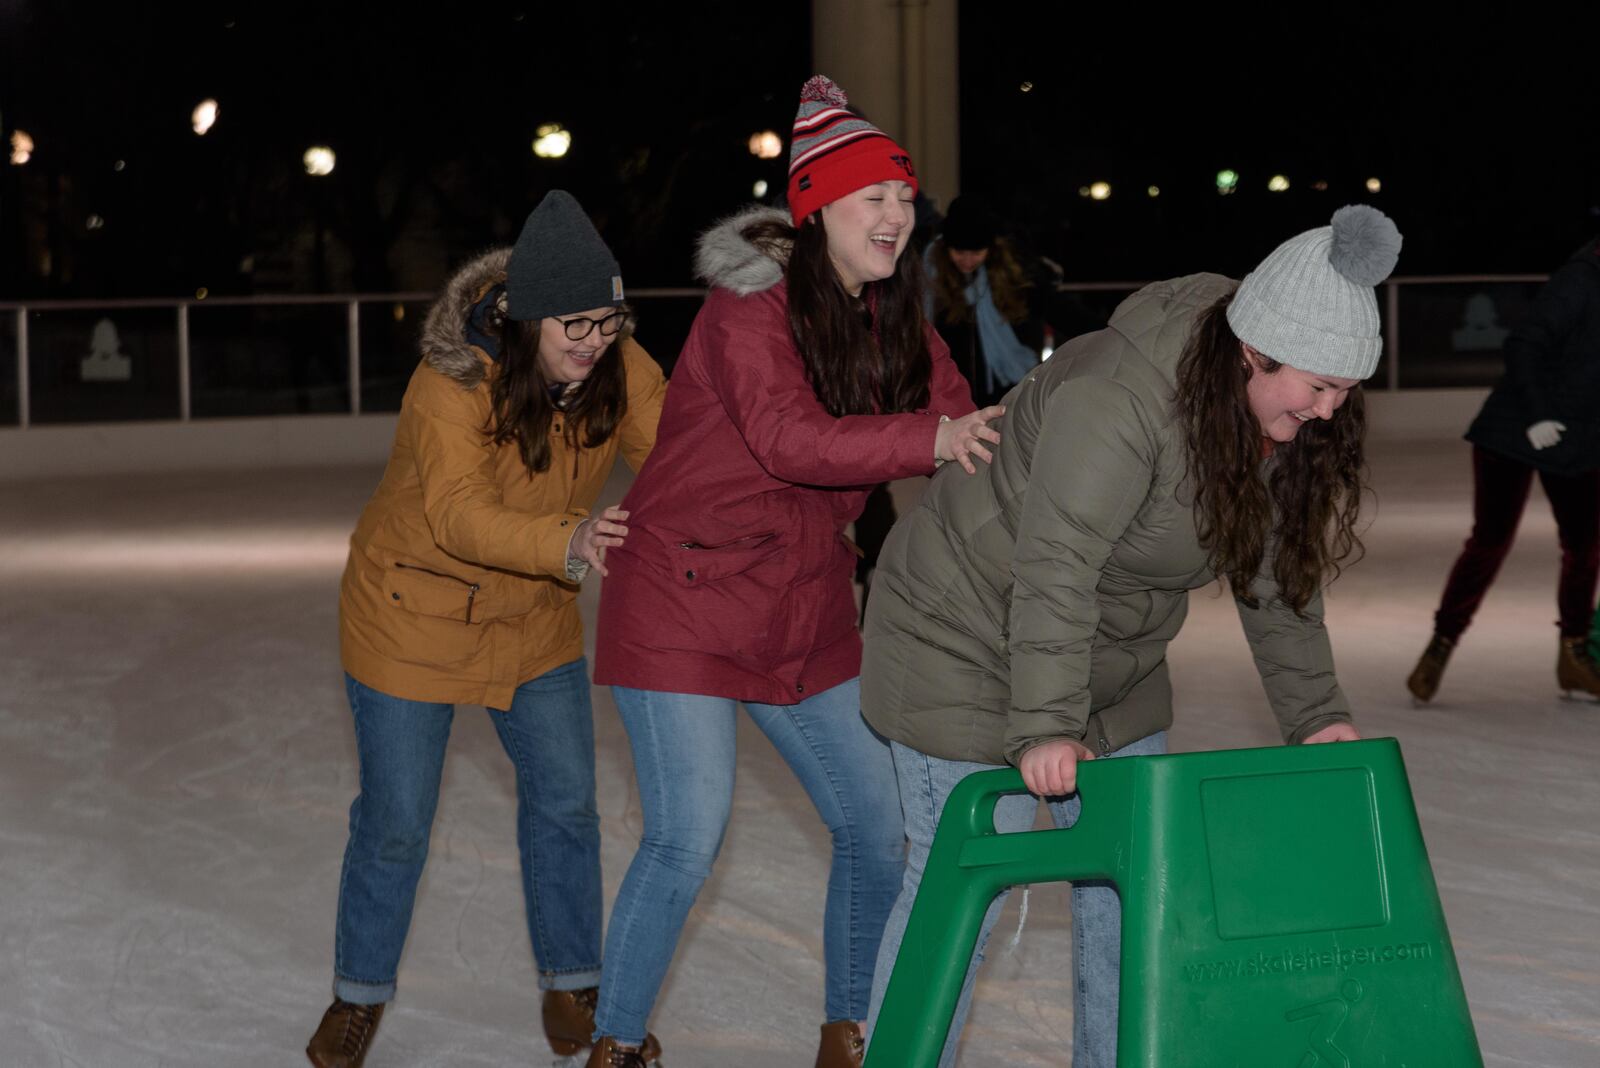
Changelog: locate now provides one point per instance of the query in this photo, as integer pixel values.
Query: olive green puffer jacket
(1036, 600)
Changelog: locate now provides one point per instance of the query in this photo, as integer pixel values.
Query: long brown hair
(862, 357)
(1008, 283)
(1306, 508)
(520, 394)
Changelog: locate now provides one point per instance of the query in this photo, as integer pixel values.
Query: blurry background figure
(981, 300)
(1543, 417)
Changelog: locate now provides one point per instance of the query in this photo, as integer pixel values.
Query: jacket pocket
(731, 607)
(693, 564)
(432, 593)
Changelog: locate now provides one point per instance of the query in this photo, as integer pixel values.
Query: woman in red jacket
(809, 376)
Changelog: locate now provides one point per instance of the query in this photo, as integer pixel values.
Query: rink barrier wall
(239, 382)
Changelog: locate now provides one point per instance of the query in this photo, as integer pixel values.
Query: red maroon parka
(735, 580)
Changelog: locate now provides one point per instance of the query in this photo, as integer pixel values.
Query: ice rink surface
(177, 762)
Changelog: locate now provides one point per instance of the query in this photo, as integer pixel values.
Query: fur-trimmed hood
(726, 258)
(444, 333)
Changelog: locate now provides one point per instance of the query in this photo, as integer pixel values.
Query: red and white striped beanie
(835, 151)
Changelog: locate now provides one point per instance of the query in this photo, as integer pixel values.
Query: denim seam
(658, 763)
(356, 691)
(1080, 1018)
(629, 921)
(355, 825)
(526, 797)
(853, 904)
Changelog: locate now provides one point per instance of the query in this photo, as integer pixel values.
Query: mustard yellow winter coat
(455, 589)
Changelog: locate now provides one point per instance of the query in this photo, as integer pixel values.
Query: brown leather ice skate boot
(569, 1021)
(1424, 679)
(343, 1037)
(1576, 670)
(842, 1045)
(607, 1054)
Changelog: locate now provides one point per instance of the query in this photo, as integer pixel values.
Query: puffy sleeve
(461, 498)
(1092, 469)
(1294, 658)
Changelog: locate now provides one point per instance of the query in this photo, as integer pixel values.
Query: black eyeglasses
(579, 326)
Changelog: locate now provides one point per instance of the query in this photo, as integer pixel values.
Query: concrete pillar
(897, 60)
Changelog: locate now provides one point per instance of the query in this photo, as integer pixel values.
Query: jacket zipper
(753, 539)
(472, 587)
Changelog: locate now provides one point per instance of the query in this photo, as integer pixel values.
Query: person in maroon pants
(1543, 418)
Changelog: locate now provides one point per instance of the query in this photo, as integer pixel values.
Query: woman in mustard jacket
(461, 588)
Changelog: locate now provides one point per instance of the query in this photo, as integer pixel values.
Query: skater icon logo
(904, 163)
(1330, 1015)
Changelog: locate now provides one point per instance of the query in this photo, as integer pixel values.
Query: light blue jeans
(683, 756)
(925, 784)
(548, 732)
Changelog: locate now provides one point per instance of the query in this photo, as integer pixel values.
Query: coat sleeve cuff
(1307, 729)
(938, 463)
(577, 567)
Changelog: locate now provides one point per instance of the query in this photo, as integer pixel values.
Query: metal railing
(1513, 289)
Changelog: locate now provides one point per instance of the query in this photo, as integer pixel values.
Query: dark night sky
(1480, 125)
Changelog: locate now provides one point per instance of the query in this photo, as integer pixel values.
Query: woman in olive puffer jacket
(1212, 430)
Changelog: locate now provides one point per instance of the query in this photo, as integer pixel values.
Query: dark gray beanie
(560, 264)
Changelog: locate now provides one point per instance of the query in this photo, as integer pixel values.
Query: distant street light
(1278, 184)
(1227, 181)
(552, 142)
(1153, 192)
(766, 145)
(21, 148)
(1099, 190)
(319, 160)
(760, 188)
(1374, 186)
(204, 116)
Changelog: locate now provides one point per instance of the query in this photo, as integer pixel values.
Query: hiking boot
(569, 1022)
(607, 1054)
(1576, 669)
(343, 1036)
(1424, 679)
(842, 1045)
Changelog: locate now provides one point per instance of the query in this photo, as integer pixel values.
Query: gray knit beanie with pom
(1310, 303)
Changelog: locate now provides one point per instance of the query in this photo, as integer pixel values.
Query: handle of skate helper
(968, 865)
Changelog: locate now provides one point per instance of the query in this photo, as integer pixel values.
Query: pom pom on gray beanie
(560, 264)
(1310, 303)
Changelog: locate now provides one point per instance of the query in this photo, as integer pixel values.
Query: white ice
(176, 764)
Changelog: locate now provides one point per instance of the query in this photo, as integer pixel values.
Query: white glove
(1545, 433)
